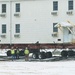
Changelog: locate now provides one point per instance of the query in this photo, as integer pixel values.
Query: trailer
(46, 50)
(39, 51)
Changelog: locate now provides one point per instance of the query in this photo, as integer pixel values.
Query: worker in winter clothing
(17, 53)
(13, 54)
(26, 52)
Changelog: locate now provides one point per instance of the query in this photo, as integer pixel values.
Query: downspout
(10, 19)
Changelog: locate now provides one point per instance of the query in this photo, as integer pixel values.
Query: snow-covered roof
(63, 24)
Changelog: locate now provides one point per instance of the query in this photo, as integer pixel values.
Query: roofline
(19, 0)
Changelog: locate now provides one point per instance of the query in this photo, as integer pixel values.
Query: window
(59, 39)
(55, 5)
(71, 30)
(4, 28)
(17, 7)
(17, 30)
(3, 8)
(55, 29)
(70, 5)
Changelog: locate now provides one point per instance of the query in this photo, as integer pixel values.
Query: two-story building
(28, 21)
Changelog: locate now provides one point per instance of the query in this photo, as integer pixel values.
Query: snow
(21, 67)
(63, 24)
(3, 52)
(37, 68)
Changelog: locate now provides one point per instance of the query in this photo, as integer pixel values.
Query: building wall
(36, 21)
(5, 20)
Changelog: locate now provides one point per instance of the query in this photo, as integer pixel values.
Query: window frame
(70, 5)
(3, 8)
(17, 7)
(3, 28)
(71, 28)
(17, 28)
(55, 5)
(55, 29)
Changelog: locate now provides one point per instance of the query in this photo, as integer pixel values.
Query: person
(17, 53)
(13, 53)
(26, 52)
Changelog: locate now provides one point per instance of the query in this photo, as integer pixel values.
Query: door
(67, 36)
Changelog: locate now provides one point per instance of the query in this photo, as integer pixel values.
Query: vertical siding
(35, 19)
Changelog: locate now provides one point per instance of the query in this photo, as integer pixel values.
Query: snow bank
(37, 68)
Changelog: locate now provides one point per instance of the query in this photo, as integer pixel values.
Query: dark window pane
(3, 28)
(55, 29)
(70, 5)
(18, 7)
(59, 39)
(55, 5)
(3, 8)
(71, 30)
(17, 28)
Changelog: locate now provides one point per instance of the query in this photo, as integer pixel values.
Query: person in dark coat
(17, 53)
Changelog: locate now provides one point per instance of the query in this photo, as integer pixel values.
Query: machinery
(42, 51)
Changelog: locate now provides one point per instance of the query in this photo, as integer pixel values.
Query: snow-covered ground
(37, 68)
(22, 67)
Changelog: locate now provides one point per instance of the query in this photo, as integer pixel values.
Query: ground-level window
(55, 29)
(17, 28)
(3, 28)
(71, 30)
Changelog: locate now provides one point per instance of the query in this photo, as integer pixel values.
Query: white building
(29, 21)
